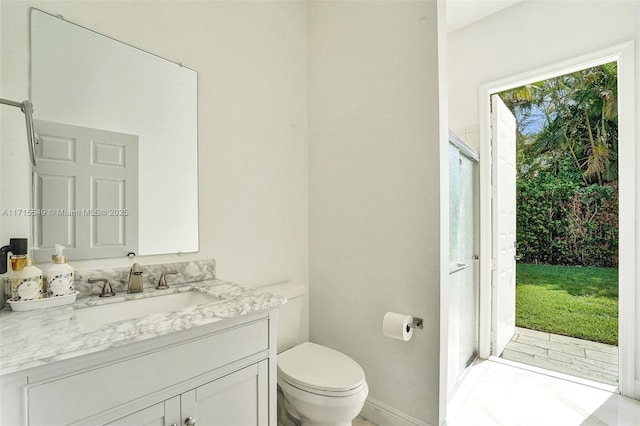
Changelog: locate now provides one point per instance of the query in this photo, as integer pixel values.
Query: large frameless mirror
(117, 155)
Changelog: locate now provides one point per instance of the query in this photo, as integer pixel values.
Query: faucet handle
(162, 282)
(107, 290)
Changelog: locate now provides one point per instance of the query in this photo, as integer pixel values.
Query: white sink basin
(97, 316)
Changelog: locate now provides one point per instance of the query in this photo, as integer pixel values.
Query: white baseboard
(384, 415)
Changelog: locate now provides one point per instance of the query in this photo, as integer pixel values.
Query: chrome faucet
(135, 279)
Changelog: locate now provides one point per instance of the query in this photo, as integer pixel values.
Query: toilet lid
(317, 367)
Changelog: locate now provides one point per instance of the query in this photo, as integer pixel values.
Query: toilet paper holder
(416, 323)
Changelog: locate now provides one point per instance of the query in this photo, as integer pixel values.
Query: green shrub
(561, 222)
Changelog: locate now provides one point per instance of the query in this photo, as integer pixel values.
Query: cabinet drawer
(75, 397)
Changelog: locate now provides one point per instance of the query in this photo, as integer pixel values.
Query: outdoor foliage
(560, 222)
(567, 148)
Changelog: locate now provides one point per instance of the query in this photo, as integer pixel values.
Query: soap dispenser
(60, 276)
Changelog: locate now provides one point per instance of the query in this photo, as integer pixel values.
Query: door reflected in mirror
(86, 82)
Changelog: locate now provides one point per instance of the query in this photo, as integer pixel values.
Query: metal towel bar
(32, 138)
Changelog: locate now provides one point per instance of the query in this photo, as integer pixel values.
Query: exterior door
(503, 279)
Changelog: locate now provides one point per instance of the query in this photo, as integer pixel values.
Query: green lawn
(572, 301)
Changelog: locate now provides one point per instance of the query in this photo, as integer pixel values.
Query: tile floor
(285, 420)
(361, 421)
(576, 357)
(495, 393)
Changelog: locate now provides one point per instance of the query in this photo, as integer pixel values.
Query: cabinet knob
(190, 421)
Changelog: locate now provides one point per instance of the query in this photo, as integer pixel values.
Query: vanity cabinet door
(162, 414)
(237, 399)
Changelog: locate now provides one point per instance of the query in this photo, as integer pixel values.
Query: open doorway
(566, 221)
(497, 320)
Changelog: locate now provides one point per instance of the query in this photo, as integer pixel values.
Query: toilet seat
(319, 370)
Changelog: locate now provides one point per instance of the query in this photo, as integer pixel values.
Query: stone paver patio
(568, 355)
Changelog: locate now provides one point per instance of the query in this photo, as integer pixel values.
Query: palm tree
(574, 114)
(597, 101)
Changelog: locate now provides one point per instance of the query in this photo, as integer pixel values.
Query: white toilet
(321, 386)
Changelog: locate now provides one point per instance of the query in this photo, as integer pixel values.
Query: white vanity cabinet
(160, 414)
(239, 398)
(222, 373)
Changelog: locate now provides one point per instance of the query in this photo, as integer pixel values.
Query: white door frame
(624, 55)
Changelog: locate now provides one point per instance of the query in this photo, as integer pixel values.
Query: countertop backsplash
(187, 272)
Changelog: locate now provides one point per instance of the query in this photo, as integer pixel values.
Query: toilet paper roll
(396, 326)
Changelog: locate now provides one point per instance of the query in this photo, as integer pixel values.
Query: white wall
(529, 36)
(374, 192)
(374, 166)
(637, 171)
(251, 59)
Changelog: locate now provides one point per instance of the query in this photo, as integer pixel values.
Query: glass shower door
(463, 263)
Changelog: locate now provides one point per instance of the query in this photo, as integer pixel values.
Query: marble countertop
(34, 338)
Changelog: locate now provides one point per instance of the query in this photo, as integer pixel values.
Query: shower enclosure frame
(463, 289)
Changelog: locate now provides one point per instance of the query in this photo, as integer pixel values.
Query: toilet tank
(290, 315)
